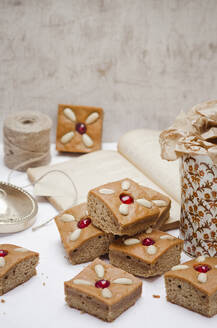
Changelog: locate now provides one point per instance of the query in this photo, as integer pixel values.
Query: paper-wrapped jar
(192, 138)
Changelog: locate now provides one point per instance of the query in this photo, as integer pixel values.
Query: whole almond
(106, 191)
(67, 137)
(68, 112)
(99, 269)
(82, 282)
(124, 209)
(67, 218)
(75, 235)
(159, 202)
(92, 118)
(106, 293)
(125, 185)
(202, 277)
(87, 140)
(2, 262)
(131, 241)
(122, 281)
(144, 202)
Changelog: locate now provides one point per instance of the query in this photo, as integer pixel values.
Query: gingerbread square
(122, 208)
(147, 254)
(193, 285)
(103, 290)
(17, 265)
(79, 128)
(82, 241)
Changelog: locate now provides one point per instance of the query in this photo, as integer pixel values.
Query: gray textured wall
(141, 60)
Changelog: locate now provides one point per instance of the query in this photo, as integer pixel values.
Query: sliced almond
(149, 230)
(122, 281)
(180, 267)
(2, 262)
(92, 118)
(75, 235)
(106, 293)
(68, 112)
(124, 209)
(202, 277)
(131, 241)
(151, 250)
(169, 237)
(67, 218)
(99, 269)
(215, 266)
(88, 142)
(82, 282)
(159, 202)
(67, 137)
(106, 191)
(21, 249)
(125, 185)
(144, 202)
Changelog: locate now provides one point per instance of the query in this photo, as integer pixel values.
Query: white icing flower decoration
(103, 283)
(80, 127)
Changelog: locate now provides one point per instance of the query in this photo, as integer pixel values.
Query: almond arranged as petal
(149, 230)
(180, 267)
(169, 237)
(21, 249)
(106, 293)
(202, 277)
(124, 209)
(88, 142)
(68, 112)
(125, 185)
(144, 202)
(122, 281)
(92, 118)
(159, 202)
(2, 262)
(201, 258)
(75, 235)
(151, 249)
(99, 269)
(67, 137)
(106, 191)
(131, 241)
(67, 218)
(83, 282)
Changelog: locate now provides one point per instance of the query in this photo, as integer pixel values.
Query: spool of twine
(26, 140)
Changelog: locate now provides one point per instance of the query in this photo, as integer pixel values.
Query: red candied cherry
(84, 223)
(81, 128)
(148, 242)
(202, 268)
(102, 283)
(3, 253)
(126, 199)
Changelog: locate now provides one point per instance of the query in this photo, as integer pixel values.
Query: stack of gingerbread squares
(120, 219)
(118, 214)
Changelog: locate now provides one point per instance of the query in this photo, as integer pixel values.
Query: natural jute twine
(26, 140)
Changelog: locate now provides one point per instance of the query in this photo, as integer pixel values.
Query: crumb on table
(156, 296)
(2, 300)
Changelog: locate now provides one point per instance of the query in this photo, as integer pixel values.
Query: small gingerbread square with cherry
(79, 129)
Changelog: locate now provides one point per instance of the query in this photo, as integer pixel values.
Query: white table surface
(34, 304)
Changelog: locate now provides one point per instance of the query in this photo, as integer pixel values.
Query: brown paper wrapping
(193, 133)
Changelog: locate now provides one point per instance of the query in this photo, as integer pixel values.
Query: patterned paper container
(198, 222)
